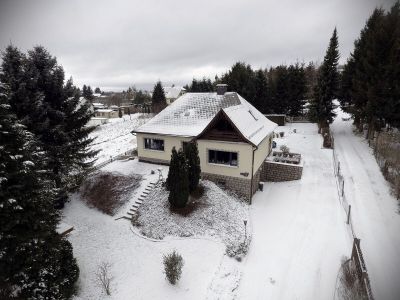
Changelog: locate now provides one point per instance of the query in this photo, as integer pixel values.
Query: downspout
(252, 171)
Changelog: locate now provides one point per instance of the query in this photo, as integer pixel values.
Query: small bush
(104, 278)
(285, 149)
(350, 286)
(173, 264)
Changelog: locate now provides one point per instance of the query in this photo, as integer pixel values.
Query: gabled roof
(173, 92)
(190, 114)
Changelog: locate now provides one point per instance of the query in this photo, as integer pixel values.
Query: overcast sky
(115, 44)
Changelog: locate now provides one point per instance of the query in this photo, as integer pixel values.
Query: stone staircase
(135, 206)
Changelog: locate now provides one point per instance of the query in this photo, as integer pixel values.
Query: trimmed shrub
(173, 264)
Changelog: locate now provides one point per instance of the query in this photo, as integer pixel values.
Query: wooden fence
(356, 254)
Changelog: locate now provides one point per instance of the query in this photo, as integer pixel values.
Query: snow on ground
(298, 230)
(217, 215)
(374, 210)
(299, 233)
(136, 262)
(115, 137)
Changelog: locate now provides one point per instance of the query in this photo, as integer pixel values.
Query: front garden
(214, 214)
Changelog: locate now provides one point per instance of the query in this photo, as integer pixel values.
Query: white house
(173, 92)
(233, 137)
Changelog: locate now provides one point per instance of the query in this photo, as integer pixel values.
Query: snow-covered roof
(104, 110)
(190, 114)
(97, 104)
(173, 92)
(96, 94)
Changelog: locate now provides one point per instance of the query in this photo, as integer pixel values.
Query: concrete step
(135, 206)
(132, 209)
(130, 213)
(137, 203)
(126, 217)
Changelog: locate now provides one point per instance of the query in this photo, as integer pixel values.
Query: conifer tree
(35, 262)
(261, 99)
(178, 180)
(97, 90)
(87, 92)
(327, 86)
(158, 100)
(50, 110)
(193, 161)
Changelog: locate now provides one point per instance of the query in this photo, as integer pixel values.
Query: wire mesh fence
(356, 256)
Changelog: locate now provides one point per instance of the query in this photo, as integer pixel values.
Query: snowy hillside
(115, 137)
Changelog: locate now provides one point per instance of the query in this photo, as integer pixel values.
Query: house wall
(155, 156)
(262, 152)
(244, 151)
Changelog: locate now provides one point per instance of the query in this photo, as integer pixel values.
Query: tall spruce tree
(193, 161)
(158, 100)
(35, 262)
(50, 110)
(261, 96)
(370, 81)
(178, 180)
(87, 92)
(296, 89)
(327, 86)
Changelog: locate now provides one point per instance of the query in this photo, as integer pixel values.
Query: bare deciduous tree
(104, 277)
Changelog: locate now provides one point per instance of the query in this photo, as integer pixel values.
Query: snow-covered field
(298, 229)
(374, 210)
(115, 137)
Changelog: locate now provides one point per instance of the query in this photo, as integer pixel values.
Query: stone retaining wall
(275, 171)
(154, 160)
(242, 186)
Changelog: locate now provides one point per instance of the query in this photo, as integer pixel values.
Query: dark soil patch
(108, 191)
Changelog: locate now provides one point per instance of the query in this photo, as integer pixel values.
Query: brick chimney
(222, 88)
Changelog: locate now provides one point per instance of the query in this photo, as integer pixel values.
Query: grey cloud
(119, 43)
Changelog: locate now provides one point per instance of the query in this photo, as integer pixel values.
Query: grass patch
(108, 191)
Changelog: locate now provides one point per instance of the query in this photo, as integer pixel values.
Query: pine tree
(297, 89)
(241, 79)
(193, 161)
(158, 100)
(261, 97)
(178, 180)
(35, 262)
(47, 108)
(87, 93)
(326, 89)
(97, 90)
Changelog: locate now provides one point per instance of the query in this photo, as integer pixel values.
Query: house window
(154, 144)
(223, 158)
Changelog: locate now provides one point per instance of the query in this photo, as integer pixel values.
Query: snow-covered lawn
(115, 137)
(136, 262)
(298, 232)
(374, 210)
(217, 215)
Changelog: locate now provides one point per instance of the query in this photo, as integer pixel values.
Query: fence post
(343, 188)
(348, 214)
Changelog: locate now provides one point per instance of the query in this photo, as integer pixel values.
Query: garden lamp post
(245, 224)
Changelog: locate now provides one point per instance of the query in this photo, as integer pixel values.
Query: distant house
(173, 92)
(106, 113)
(97, 105)
(233, 137)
